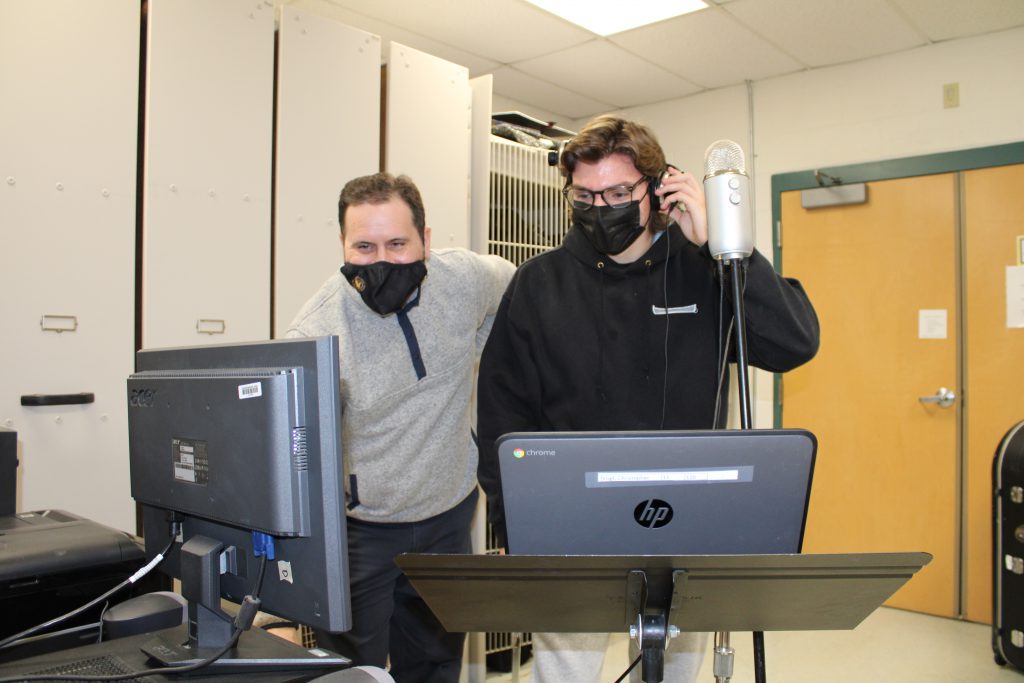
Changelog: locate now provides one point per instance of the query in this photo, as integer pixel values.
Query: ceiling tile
(606, 72)
(563, 68)
(823, 32)
(516, 85)
(709, 48)
(476, 64)
(945, 20)
(500, 30)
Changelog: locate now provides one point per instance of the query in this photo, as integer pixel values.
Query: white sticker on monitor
(191, 464)
(709, 475)
(647, 477)
(254, 390)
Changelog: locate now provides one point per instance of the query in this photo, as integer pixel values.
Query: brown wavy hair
(606, 135)
(379, 188)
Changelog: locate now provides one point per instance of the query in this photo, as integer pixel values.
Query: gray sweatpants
(579, 657)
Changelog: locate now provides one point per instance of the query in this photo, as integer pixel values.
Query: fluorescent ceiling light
(605, 17)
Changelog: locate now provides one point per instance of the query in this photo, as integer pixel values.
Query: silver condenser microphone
(729, 209)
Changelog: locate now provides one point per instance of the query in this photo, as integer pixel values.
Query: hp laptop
(656, 493)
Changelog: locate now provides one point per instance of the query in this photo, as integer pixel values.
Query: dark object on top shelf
(521, 135)
(536, 126)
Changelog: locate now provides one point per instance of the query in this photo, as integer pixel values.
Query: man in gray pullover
(411, 324)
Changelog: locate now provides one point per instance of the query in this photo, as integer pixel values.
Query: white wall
(686, 126)
(884, 108)
(889, 108)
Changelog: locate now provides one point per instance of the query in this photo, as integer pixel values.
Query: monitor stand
(210, 629)
(256, 651)
(654, 596)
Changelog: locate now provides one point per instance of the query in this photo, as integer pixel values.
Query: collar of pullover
(579, 246)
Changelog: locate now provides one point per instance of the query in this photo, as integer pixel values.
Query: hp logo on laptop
(653, 513)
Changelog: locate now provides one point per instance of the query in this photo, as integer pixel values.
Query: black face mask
(385, 286)
(610, 230)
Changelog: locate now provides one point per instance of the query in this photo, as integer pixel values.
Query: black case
(8, 471)
(1008, 549)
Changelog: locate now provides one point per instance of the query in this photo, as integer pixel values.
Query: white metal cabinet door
(328, 132)
(481, 88)
(69, 74)
(209, 123)
(428, 137)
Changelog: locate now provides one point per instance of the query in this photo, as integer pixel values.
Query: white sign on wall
(932, 323)
(1015, 296)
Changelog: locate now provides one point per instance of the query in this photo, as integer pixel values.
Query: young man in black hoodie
(621, 328)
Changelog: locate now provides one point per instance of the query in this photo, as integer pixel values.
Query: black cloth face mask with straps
(611, 230)
(385, 286)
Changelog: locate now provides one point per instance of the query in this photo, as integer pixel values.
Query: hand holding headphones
(681, 196)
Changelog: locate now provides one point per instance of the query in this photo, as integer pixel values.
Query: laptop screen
(656, 493)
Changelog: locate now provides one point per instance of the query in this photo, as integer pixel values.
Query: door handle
(943, 397)
(57, 399)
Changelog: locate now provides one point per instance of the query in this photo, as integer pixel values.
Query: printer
(52, 562)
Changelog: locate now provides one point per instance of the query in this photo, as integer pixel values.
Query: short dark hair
(606, 135)
(379, 188)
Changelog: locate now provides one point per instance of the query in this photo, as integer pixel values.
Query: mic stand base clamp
(652, 629)
(723, 658)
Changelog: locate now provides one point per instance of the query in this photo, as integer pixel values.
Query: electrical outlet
(951, 95)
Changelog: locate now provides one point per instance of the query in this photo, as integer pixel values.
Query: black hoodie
(580, 343)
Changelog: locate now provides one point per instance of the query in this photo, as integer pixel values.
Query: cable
(258, 584)
(103, 612)
(723, 365)
(664, 294)
(723, 356)
(627, 672)
(723, 343)
(13, 640)
(77, 631)
(250, 605)
(721, 308)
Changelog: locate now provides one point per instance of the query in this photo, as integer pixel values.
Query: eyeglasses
(616, 196)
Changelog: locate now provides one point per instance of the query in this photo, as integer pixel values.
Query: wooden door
(994, 352)
(886, 474)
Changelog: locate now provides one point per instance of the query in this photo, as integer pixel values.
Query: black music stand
(656, 594)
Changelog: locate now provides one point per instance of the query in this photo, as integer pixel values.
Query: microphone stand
(738, 270)
(729, 211)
